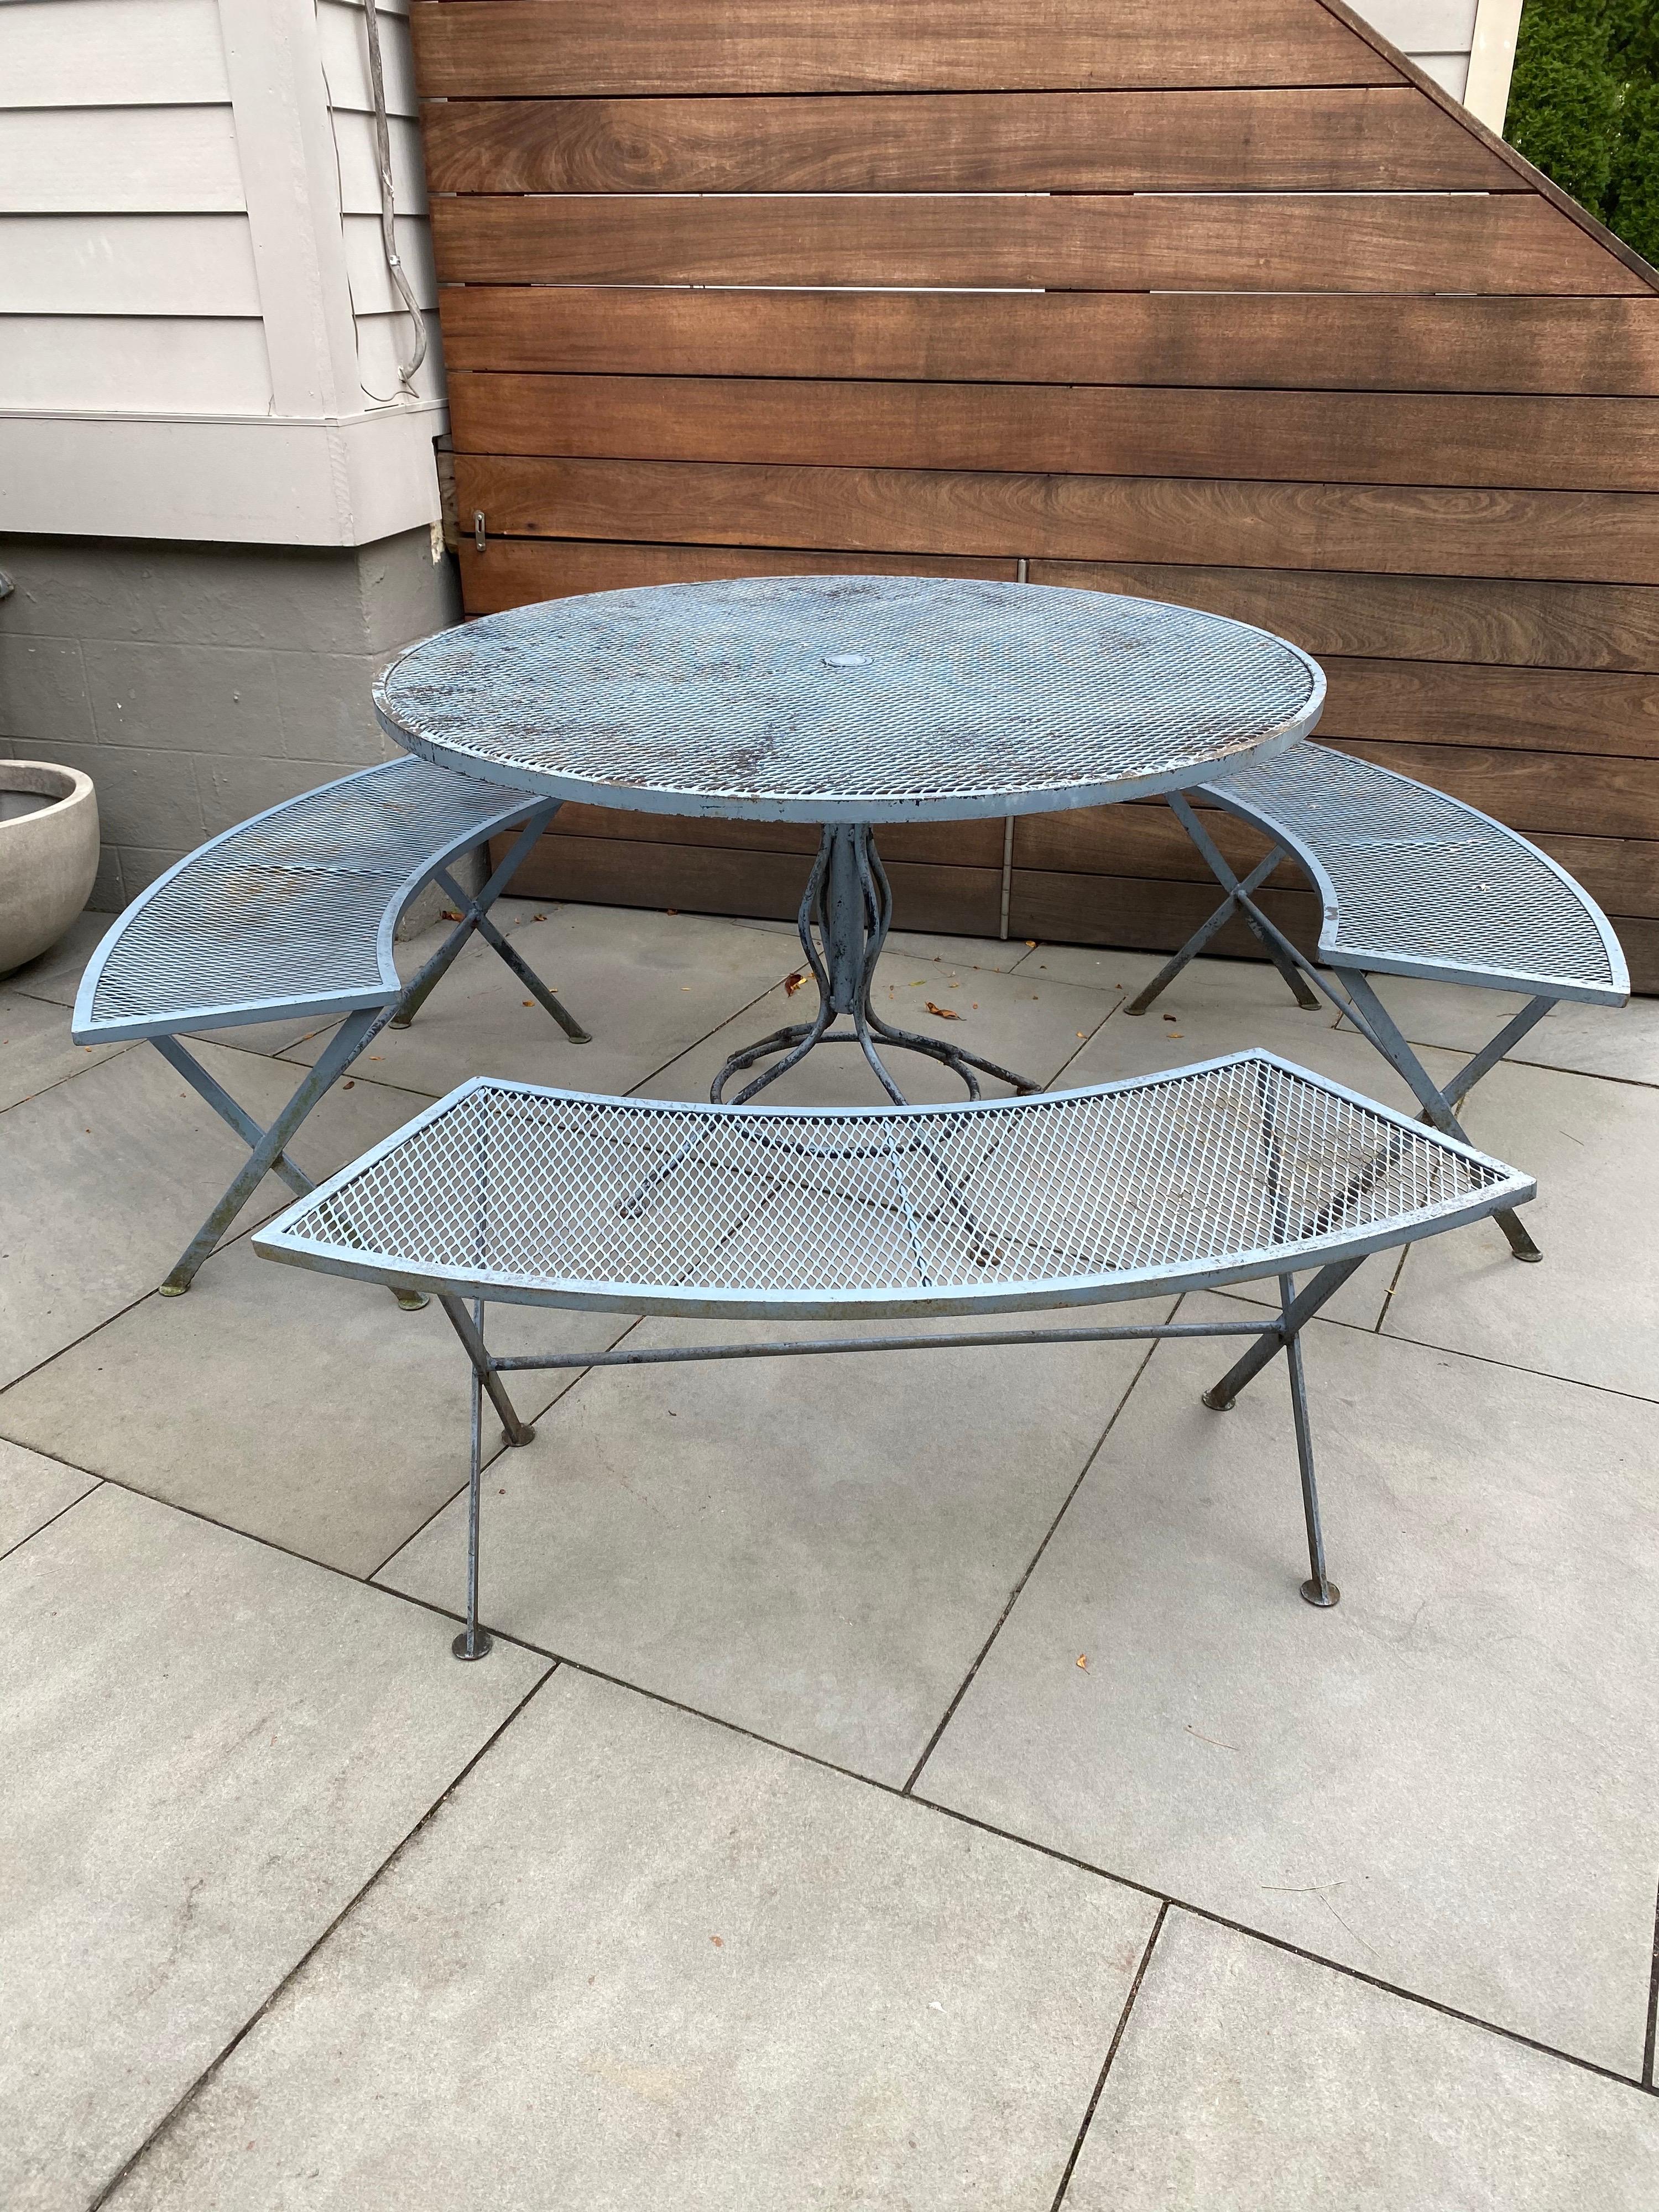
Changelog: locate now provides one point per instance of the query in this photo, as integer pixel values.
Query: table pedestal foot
(845, 915)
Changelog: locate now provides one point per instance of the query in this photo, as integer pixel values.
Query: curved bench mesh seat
(1240, 1168)
(1412, 883)
(1415, 883)
(294, 910)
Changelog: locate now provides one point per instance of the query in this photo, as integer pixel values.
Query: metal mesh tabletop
(847, 698)
(293, 910)
(1239, 1167)
(1415, 882)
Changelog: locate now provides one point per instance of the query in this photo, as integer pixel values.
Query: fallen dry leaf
(530, 1002)
(1083, 1661)
(792, 983)
(945, 1013)
(349, 1087)
(1030, 944)
(1176, 1037)
(719, 1942)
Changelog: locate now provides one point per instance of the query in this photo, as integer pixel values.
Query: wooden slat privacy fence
(1230, 307)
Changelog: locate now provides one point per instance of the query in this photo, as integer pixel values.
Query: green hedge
(1584, 107)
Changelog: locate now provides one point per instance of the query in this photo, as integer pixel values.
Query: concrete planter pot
(48, 855)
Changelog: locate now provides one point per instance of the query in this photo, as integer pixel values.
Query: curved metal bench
(293, 912)
(1412, 883)
(1236, 1170)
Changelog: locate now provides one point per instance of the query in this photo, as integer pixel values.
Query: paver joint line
(176, 2111)
(1111, 2053)
(966, 1683)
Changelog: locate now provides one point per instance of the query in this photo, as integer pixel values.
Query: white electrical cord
(388, 211)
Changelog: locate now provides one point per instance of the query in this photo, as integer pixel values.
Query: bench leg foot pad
(1323, 1595)
(1218, 1404)
(172, 1289)
(479, 1647)
(412, 1301)
(1530, 1259)
(526, 1434)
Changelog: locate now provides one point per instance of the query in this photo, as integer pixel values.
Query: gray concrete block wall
(198, 683)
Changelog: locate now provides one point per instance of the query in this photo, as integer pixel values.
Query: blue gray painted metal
(848, 699)
(292, 913)
(1238, 1168)
(1222, 1173)
(1412, 883)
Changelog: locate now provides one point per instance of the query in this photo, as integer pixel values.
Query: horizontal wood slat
(1275, 242)
(1142, 914)
(1441, 618)
(1111, 861)
(1640, 939)
(948, 844)
(1621, 873)
(516, 49)
(1602, 537)
(511, 572)
(1358, 139)
(1359, 437)
(1300, 342)
(1547, 794)
(760, 886)
(1532, 710)
(1501, 628)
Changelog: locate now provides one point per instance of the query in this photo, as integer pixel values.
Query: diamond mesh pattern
(289, 905)
(906, 694)
(1418, 875)
(1210, 1169)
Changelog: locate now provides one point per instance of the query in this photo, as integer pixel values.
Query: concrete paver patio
(910, 1782)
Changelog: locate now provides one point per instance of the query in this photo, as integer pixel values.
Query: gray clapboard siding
(112, 53)
(127, 265)
(346, 58)
(110, 161)
(360, 190)
(137, 364)
(371, 283)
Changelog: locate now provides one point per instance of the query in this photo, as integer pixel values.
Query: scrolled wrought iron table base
(846, 912)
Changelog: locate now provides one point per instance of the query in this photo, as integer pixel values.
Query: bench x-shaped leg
(1355, 998)
(267, 1153)
(1240, 901)
(473, 914)
(1374, 1023)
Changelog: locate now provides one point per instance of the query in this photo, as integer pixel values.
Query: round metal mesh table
(849, 702)
(863, 699)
